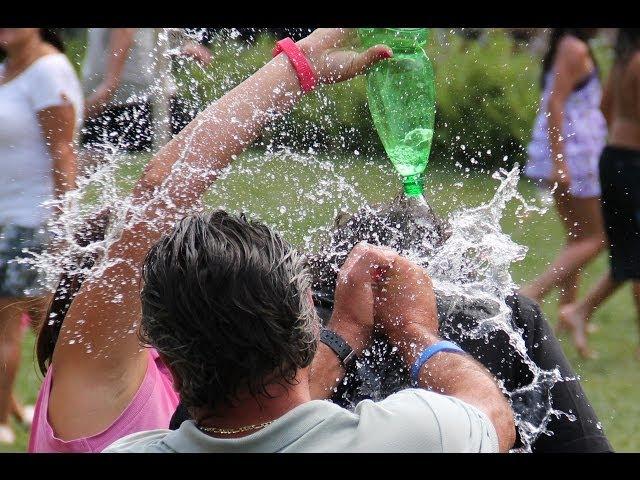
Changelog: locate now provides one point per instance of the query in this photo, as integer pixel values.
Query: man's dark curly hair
(226, 301)
(403, 224)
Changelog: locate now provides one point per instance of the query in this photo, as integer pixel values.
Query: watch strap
(338, 344)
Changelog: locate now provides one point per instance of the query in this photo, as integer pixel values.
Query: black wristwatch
(341, 348)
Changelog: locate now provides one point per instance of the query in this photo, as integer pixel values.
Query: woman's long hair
(52, 36)
(627, 43)
(554, 40)
(68, 286)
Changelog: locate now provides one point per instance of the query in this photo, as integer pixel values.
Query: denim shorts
(18, 280)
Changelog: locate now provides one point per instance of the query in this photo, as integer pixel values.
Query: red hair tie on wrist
(306, 75)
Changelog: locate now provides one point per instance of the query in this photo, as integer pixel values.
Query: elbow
(64, 162)
(503, 421)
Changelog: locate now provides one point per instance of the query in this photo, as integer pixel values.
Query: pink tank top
(151, 408)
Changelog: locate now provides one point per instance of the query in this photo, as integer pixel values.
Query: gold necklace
(229, 431)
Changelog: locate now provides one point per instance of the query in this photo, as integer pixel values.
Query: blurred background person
(125, 70)
(620, 179)
(568, 137)
(529, 39)
(40, 111)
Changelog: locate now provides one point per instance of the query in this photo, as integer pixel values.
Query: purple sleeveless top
(584, 131)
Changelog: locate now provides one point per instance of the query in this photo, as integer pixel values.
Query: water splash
(474, 263)
(308, 191)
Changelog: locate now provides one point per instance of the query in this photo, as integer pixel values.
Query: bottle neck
(413, 185)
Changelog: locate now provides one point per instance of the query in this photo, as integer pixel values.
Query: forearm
(326, 371)
(186, 167)
(165, 193)
(64, 169)
(459, 376)
(120, 44)
(555, 126)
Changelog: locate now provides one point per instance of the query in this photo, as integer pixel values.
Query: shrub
(487, 95)
(486, 100)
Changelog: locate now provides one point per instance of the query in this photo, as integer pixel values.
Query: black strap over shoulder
(341, 348)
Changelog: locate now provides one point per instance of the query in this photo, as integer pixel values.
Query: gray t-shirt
(412, 420)
(139, 74)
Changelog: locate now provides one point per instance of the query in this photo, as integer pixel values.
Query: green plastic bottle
(401, 97)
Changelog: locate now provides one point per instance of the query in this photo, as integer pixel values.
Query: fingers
(367, 262)
(370, 57)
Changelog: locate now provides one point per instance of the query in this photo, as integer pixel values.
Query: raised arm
(353, 314)
(103, 317)
(407, 311)
(377, 283)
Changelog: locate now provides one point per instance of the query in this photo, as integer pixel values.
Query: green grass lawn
(612, 382)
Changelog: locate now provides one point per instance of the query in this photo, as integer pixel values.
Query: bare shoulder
(572, 49)
(634, 65)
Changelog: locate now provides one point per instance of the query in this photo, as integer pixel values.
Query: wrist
(356, 335)
(289, 82)
(413, 339)
(307, 48)
(300, 62)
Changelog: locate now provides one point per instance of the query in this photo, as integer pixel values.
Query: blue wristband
(441, 346)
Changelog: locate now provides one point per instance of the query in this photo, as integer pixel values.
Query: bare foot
(562, 326)
(7, 437)
(572, 319)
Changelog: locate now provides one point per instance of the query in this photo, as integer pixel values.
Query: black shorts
(129, 128)
(620, 183)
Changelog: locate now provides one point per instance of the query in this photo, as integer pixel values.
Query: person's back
(624, 117)
(410, 420)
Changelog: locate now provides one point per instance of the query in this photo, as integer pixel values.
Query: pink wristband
(306, 75)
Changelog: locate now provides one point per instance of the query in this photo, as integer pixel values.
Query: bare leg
(586, 225)
(33, 309)
(582, 220)
(16, 409)
(577, 314)
(10, 335)
(567, 294)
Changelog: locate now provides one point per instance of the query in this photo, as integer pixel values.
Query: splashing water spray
(473, 263)
(402, 101)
